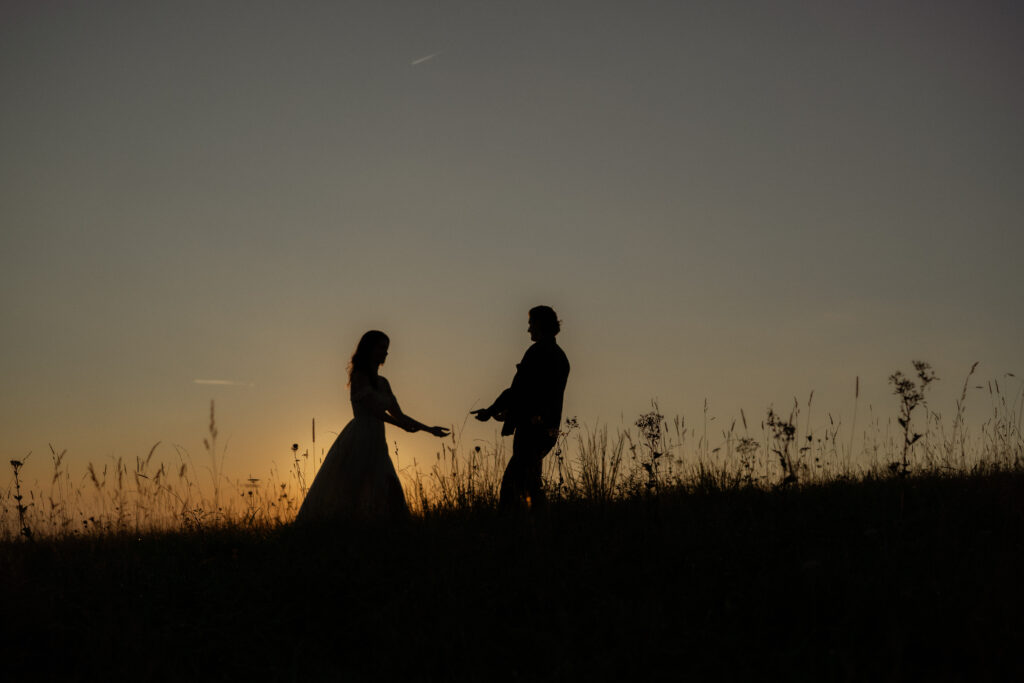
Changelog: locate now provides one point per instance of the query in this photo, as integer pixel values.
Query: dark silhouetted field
(909, 578)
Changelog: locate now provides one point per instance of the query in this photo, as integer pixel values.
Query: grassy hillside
(885, 578)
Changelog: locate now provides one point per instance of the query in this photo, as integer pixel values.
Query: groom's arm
(510, 399)
(499, 409)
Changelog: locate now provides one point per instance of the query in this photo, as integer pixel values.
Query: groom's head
(544, 323)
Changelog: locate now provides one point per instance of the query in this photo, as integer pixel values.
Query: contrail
(423, 59)
(224, 382)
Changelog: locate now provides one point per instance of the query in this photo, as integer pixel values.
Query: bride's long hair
(362, 359)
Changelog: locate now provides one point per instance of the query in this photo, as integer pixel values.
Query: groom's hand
(483, 414)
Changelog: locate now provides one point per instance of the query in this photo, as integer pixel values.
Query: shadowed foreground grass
(881, 579)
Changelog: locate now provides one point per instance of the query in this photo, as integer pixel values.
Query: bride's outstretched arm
(381, 402)
(396, 417)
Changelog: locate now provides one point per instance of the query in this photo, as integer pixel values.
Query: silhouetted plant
(300, 474)
(216, 466)
(746, 451)
(18, 498)
(566, 477)
(650, 425)
(600, 463)
(911, 395)
(250, 496)
(783, 436)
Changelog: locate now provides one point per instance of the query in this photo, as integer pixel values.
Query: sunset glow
(724, 202)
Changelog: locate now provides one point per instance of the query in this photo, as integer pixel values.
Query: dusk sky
(738, 201)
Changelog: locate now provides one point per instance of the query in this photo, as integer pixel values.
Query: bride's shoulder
(361, 382)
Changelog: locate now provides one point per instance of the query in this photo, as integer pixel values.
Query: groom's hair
(546, 319)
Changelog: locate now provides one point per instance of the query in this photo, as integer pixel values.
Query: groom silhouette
(532, 410)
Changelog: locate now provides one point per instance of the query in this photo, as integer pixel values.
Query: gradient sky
(742, 201)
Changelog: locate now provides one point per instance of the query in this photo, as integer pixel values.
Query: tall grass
(593, 463)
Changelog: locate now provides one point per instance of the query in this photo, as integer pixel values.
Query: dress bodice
(369, 400)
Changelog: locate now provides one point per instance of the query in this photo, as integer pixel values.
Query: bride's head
(371, 351)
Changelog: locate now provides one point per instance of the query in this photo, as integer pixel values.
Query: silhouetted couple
(357, 478)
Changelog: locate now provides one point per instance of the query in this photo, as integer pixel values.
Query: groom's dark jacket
(535, 398)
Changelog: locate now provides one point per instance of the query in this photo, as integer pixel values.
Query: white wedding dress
(357, 478)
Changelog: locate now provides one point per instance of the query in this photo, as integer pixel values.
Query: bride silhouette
(357, 478)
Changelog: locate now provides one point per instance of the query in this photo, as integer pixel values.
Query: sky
(733, 201)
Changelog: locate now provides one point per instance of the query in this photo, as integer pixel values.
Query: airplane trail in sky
(224, 382)
(423, 59)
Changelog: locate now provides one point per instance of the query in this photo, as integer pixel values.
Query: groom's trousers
(522, 483)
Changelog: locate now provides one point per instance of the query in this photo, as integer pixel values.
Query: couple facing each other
(357, 478)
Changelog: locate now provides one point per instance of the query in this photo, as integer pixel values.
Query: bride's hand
(438, 431)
